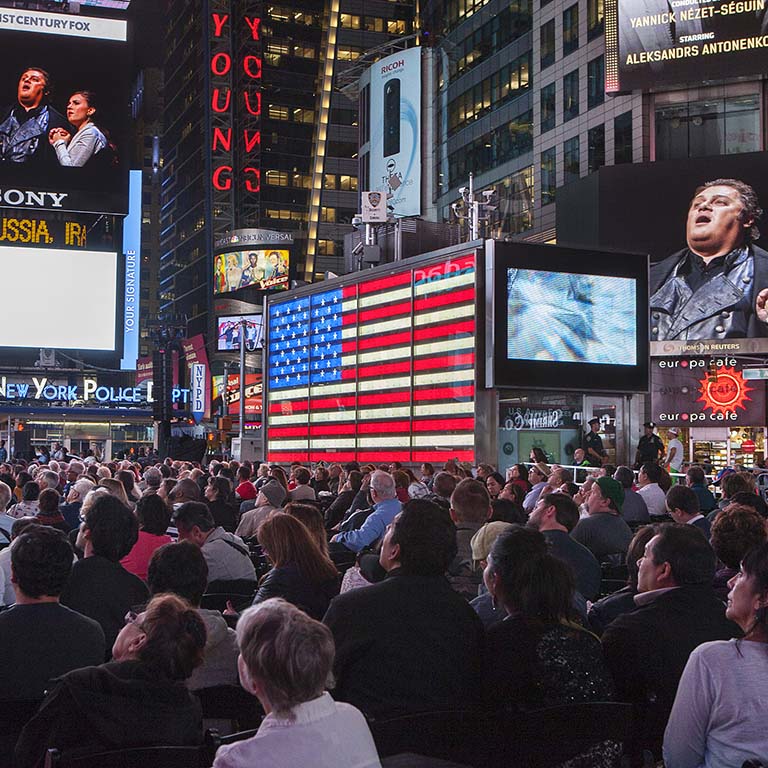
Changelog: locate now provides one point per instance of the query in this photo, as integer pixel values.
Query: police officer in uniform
(593, 444)
(650, 447)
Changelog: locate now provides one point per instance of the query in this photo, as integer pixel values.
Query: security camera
(358, 249)
(464, 192)
(357, 220)
(488, 194)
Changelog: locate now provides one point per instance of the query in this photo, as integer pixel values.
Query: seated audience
(40, 638)
(6, 520)
(508, 508)
(518, 475)
(269, 499)
(48, 510)
(470, 509)
(443, 486)
(556, 515)
(677, 610)
(732, 483)
(538, 656)
(538, 475)
(224, 508)
(695, 479)
(648, 479)
(385, 507)
(99, 586)
(116, 489)
(184, 491)
(28, 505)
(311, 516)
(750, 499)
(335, 478)
(151, 480)
(412, 622)
(181, 569)
(604, 532)
(128, 479)
(494, 482)
(139, 699)
(285, 661)
(8, 594)
(245, 489)
(634, 508)
(718, 716)
(302, 573)
(70, 510)
(303, 490)
(683, 507)
(402, 481)
(154, 517)
(338, 508)
(319, 481)
(735, 531)
(226, 555)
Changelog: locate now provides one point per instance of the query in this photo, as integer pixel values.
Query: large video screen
(58, 299)
(64, 116)
(569, 319)
(229, 331)
(589, 318)
(656, 42)
(262, 268)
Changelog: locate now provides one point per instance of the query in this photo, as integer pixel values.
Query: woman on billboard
(77, 150)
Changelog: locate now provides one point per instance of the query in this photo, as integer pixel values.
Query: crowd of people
(356, 592)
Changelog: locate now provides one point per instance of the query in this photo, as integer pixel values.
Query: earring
(494, 602)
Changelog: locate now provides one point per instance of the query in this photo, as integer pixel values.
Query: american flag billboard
(379, 369)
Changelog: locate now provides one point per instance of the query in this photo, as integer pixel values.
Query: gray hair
(290, 654)
(51, 479)
(82, 486)
(153, 477)
(384, 484)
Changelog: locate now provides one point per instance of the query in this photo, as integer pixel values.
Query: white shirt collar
(308, 712)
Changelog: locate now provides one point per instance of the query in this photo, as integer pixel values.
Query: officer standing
(649, 448)
(593, 444)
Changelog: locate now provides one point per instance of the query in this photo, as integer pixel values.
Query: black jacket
(723, 308)
(287, 582)
(408, 643)
(224, 514)
(648, 648)
(113, 706)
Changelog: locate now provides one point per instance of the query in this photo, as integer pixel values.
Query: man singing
(717, 287)
(24, 129)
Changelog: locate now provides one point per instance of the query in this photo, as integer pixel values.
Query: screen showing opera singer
(58, 299)
(571, 318)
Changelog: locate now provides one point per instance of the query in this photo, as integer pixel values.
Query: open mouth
(703, 218)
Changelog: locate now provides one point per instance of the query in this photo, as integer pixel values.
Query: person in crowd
(151, 480)
(22, 478)
(537, 456)
(717, 716)
(99, 587)
(648, 479)
(508, 510)
(695, 480)
(484, 471)
(270, 499)
(749, 499)
(634, 509)
(518, 474)
(683, 507)
(335, 478)
(285, 661)
(319, 481)
(245, 489)
(278, 473)
(312, 518)
(556, 515)
(48, 510)
(677, 610)
(226, 554)
(180, 569)
(494, 482)
(604, 532)
(184, 491)
(592, 444)
(539, 656)
(70, 510)
(334, 514)
(154, 517)
(412, 622)
(218, 498)
(138, 699)
(42, 639)
(427, 474)
(470, 510)
(48, 479)
(87, 141)
(649, 448)
(301, 574)
(675, 454)
(6, 520)
(605, 610)
(116, 489)
(165, 491)
(28, 505)
(732, 482)
(416, 489)
(303, 490)
(443, 486)
(128, 479)
(385, 507)
(735, 531)
(538, 475)
(8, 594)
(402, 481)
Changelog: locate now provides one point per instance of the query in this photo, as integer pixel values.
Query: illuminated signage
(235, 80)
(132, 286)
(42, 231)
(199, 381)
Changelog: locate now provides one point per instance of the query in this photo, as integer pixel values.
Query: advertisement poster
(396, 131)
(64, 115)
(655, 42)
(264, 269)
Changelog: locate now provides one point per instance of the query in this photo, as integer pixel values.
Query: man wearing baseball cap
(649, 448)
(604, 532)
(674, 456)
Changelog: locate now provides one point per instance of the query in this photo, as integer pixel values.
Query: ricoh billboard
(395, 120)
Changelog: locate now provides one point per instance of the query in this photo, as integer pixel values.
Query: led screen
(229, 332)
(262, 268)
(64, 116)
(58, 299)
(588, 318)
(568, 319)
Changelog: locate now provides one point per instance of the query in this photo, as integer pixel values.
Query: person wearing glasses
(138, 699)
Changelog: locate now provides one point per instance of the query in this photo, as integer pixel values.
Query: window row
(595, 27)
(276, 49)
(492, 149)
(278, 13)
(570, 94)
(375, 24)
(287, 179)
(291, 114)
(510, 81)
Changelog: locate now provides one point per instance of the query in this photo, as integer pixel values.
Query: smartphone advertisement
(395, 155)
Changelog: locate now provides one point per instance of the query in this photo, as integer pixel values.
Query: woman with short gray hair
(285, 661)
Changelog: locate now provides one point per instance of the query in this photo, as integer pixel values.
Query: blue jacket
(373, 528)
